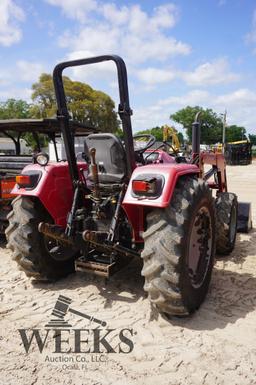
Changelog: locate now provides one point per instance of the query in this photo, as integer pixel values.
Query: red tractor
(98, 213)
(13, 162)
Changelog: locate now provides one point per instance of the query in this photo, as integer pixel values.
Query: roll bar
(124, 109)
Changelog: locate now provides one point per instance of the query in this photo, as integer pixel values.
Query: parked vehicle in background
(15, 156)
(238, 153)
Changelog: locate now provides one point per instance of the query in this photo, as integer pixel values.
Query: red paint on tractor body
(54, 189)
(55, 192)
(134, 206)
(6, 186)
(162, 156)
(169, 171)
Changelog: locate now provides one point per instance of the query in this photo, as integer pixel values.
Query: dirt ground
(217, 345)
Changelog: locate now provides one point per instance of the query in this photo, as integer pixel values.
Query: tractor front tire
(179, 249)
(29, 247)
(226, 222)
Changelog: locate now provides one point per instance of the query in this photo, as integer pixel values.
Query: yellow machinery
(171, 132)
(240, 142)
(218, 147)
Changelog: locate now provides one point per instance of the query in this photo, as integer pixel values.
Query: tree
(88, 106)
(252, 138)
(14, 109)
(211, 128)
(181, 137)
(157, 132)
(20, 109)
(212, 125)
(235, 133)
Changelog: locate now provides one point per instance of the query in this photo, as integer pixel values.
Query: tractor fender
(54, 188)
(169, 172)
(134, 205)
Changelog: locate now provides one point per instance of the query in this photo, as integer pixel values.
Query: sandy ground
(215, 346)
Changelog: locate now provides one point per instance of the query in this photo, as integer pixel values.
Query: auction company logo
(76, 346)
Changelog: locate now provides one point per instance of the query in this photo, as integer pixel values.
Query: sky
(187, 52)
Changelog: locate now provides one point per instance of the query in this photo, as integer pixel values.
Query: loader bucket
(244, 222)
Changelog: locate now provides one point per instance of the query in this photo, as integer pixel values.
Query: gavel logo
(60, 310)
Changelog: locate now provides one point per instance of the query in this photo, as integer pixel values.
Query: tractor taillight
(145, 187)
(6, 186)
(139, 186)
(23, 180)
(29, 180)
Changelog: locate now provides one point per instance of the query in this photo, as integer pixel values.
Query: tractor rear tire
(29, 246)
(179, 249)
(226, 222)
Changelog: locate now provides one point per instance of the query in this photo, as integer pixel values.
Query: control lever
(95, 174)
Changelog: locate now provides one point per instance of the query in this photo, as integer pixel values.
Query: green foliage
(14, 109)
(235, 133)
(119, 133)
(212, 125)
(20, 109)
(211, 129)
(88, 106)
(34, 143)
(252, 138)
(156, 131)
(181, 138)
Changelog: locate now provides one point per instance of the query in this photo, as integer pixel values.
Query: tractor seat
(110, 157)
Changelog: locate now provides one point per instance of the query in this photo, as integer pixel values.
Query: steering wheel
(150, 140)
(175, 152)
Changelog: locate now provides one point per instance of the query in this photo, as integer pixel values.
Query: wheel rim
(200, 247)
(232, 225)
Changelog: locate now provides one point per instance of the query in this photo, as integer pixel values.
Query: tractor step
(97, 268)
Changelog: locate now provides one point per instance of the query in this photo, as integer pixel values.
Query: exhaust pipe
(196, 135)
